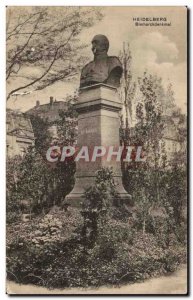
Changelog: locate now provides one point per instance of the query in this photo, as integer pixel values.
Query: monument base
(76, 196)
(98, 110)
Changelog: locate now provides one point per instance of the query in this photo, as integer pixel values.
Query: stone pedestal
(98, 110)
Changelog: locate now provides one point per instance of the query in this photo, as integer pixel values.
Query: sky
(159, 50)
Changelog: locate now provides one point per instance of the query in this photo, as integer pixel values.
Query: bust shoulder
(114, 62)
(106, 69)
(115, 67)
(87, 66)
(114, 59)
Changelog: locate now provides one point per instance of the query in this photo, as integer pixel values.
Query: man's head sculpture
(103, 69)
(100, 44)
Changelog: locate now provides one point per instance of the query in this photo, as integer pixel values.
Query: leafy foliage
(41, 133)
(33, 184)
(100, 196)
(67, 123)
(127, 92)
(56, 256)
(70, 250)
(41, 184)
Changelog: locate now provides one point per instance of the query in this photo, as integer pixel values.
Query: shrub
(56, 257)
(94, 247)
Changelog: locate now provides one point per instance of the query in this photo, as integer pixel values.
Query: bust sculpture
(103, 69)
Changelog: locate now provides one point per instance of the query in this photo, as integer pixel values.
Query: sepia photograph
(96, 150)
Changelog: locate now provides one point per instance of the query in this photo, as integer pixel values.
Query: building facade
(49, 112)
(19, 133)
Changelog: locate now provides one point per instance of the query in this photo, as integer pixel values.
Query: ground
(175, 283)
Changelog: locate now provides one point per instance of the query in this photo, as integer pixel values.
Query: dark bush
(51, 252)
(94, 247)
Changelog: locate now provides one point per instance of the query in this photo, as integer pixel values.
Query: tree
(169, 100)
(41, 133)
(142, 179)
(12, 201)
(67, 124)
(128, 88)
(149, 129)
(43, 45)
(33, 181)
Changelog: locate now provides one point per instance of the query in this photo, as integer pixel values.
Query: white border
(98, 2)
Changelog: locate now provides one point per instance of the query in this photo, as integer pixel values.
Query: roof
(48, 111)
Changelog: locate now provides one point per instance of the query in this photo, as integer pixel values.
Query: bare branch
(22, 48)
(20, 25)
(44, 74)
(54, 79)
(47, 41)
